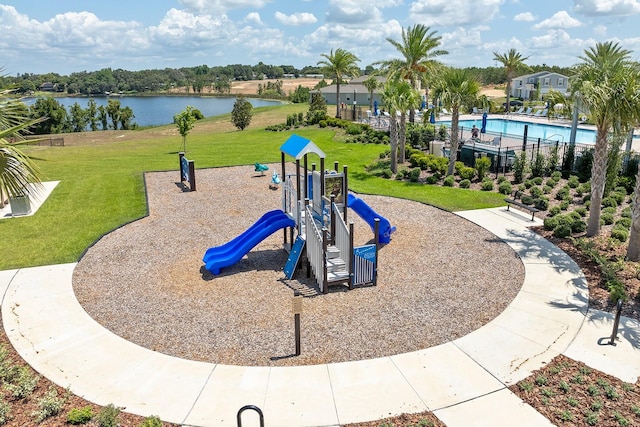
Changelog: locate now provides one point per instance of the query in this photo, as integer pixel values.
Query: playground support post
(377, 239)
(297, 297)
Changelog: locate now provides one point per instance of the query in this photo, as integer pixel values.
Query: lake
(159, 110)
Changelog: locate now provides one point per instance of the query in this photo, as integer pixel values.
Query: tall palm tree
(406, 98)
(339, 64)
(371, 83)
(17, 171)
(418, 48)
(511, 61)
(606, 83)
(456, 89)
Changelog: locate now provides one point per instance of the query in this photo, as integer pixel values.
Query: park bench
(513, 200)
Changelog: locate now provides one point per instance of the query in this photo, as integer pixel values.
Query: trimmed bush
(550, 223)
(582, 211)
(433, 179)
(505, 188)
(448, 181)
(562, 193)
(528, 184)
(535, 191)
(467, 173)
(619, 197)
(609, 202)
(527, 199)
(578, 226)
(619, 234)
(547, 189)
(465, 183)
(537, 180)
(501, 179)
(562, 231)
(609, 209)
(626, 212)
(623, 223)
(573, 181)
(487, 184)
(556, 176)
(80, 416)
(542, 203)
(482, 166)
(414, 175)
(564, 205)
(606, 218)
(555, 210)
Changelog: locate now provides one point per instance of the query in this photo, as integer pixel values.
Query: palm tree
(418, 48)
(390, 100)
(456, 89)
(606, 83)
(406, 98)
(512, 61)
(371, 83)
(340, 64)
(17, 171)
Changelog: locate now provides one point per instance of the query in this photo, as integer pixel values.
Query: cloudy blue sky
(66, 36)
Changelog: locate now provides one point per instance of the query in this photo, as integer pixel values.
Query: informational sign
(297, 304)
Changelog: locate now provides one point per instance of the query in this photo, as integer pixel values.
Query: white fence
(315, 250)
(342, 237)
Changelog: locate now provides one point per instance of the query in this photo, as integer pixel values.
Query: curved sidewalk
(464, 382)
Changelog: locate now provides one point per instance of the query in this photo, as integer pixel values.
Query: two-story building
(352, 91)
(544, 81)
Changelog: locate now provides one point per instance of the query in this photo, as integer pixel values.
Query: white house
(353, 91)
(525, 86)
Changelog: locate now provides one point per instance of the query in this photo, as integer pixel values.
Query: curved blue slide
(231, 252)
(367, 213)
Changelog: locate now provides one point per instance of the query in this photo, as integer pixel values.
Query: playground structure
(314, 222)
(187, 171)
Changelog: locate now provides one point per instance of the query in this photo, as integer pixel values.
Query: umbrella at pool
(432, 117)
(483, 129)
(375, 107)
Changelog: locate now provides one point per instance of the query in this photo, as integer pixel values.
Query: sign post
(297, 309)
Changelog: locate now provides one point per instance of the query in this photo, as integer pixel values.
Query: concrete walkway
(464, 382)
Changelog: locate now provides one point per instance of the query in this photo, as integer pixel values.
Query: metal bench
(513, 201)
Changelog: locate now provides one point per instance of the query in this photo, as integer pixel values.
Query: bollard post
(297, 309)
(616, 323)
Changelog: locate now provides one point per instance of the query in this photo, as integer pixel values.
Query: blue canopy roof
(297, 147)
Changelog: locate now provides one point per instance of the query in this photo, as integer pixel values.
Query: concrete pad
(591, 346)
(501, 408)
(300, 396)
(5, 279)
(371, 389)
(38, 197)
(228, 389)
(562, 280)
(445, 376)
(504, 354)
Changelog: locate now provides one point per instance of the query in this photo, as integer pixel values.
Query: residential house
(352, 91)
(525, 86)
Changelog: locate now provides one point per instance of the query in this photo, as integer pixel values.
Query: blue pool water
(536, 130)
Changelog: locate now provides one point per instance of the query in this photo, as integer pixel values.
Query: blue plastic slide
(231, 252)
(369, 215)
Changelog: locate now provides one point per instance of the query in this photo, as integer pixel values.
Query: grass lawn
(102, 185)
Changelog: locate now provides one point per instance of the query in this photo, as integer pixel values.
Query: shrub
(564, 205)
(433, 179)
(520, 167)
(529, 183)
(354, 129)
(108, 416)
(609, 202)
(48, 405)
(537, 180)
(606, 218)
(551, 182)
(24, 384)
(618, 196)
(582, 211)
(482, 166)
(541, 203)
(505, 188)
(623, 223)
(555, 210)
(465, 183)
(562, 193)
(152, 421)
(501, 179)
(414, 175)
(626, 212)
(526, 199)
(402, 174)
(439, 165)
(386, 173)
(80, 416)
(537, 166)
(448, 181)
(547, 189)
(573, 181)
(550, 223)
(458, 166)
(609, 209)
(562, 231)
(621, 189)
(535, 191)
(415, 158)
(578, 226)
(556, 176)
(487, 184)
(467, 173)
(5, 411)
(619, 234)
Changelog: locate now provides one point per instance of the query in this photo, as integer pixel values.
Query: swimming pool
(536, 130)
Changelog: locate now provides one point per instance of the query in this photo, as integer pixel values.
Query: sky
(66, 36)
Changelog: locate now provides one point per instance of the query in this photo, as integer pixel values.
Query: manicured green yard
(102, 185)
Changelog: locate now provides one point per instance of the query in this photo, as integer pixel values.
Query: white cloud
(560, 20)
(299, 18)
(254, 17)
(180, 28)
(352, 12)
(524, 17)
(454, 12)
(217, 6)
(600, 30)
(607, 7)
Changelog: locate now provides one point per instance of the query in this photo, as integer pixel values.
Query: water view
(549, 131)
(159, 110)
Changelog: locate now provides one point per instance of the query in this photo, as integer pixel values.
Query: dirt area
(250, 87)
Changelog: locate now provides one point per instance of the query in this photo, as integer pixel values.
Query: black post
(180, 156)
(616, 323)
(253, 408)
(192, 175)
(296, 316)
(524, 139)
(376, 231)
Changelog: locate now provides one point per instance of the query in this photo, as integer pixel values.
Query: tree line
(196, 79)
